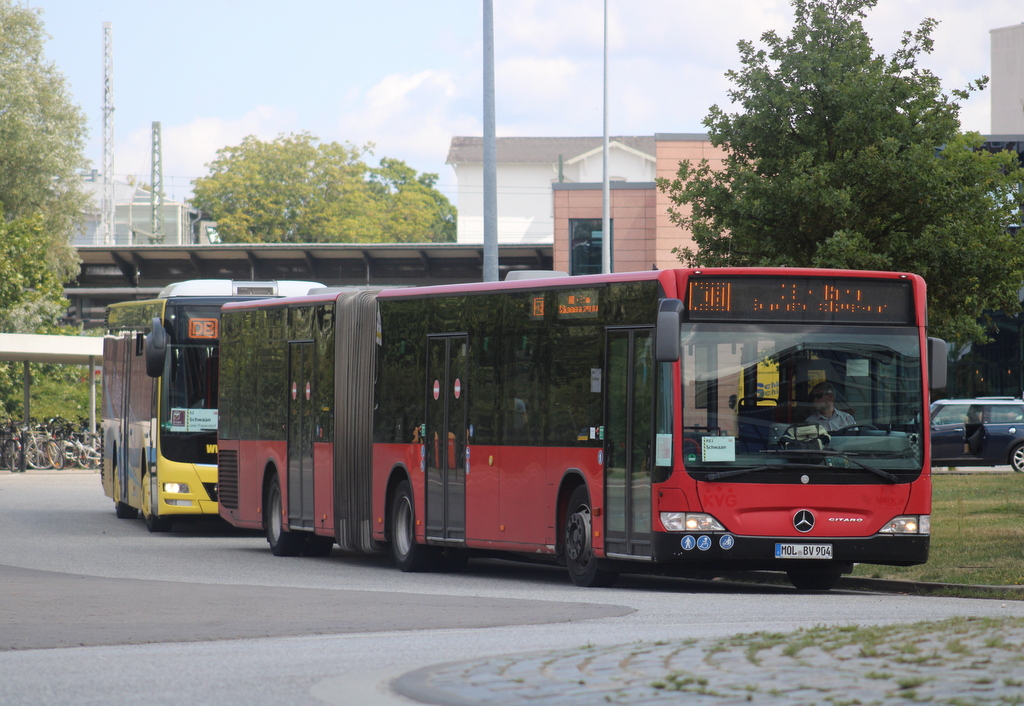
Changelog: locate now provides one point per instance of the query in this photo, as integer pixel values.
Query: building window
(585, 245)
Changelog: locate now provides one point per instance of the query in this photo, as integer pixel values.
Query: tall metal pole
(156, 194)
(606, 218)
(490, 152)
(107, 206)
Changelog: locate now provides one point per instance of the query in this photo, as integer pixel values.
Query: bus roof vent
(254, 289)
(236, 288)
(514, 275)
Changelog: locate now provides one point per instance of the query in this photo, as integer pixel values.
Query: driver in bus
(823, 397)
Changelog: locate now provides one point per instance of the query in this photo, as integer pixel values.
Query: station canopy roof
(34, 348)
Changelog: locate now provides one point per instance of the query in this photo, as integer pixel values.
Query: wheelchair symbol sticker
(704, 542)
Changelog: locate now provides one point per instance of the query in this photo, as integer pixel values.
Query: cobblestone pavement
(957, 662)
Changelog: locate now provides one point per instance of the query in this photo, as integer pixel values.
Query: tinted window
(951, 414)
(1004, 414)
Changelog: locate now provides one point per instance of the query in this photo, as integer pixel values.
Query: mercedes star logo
(803, 521)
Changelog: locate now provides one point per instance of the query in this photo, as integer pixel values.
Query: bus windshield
(188, 388)
(773, 403)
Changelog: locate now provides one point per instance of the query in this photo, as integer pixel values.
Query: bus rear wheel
(408, 555)
(579, 551)
(282, 542)
(124, 511)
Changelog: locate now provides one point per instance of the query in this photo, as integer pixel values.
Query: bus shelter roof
(69, 350)
(34, 348)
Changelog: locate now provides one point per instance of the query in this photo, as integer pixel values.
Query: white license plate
(803, 551)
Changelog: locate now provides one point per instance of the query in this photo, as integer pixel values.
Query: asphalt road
(97, 610)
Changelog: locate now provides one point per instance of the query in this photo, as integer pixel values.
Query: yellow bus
(160, 378)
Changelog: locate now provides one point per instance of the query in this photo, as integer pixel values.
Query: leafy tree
(843, 158)
(31, 292)
(42, 134)
(297, 189)
(412, 206)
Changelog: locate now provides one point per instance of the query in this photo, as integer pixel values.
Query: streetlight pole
(490, 152)
(606, 218)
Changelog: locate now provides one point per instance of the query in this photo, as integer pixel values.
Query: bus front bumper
(724, 550)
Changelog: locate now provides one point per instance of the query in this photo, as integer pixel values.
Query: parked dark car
(987, 431)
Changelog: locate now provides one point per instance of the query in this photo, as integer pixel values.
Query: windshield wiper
(722, 475)
(839, 454)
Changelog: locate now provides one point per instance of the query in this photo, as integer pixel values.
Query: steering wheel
(848, 430)
(804, 435)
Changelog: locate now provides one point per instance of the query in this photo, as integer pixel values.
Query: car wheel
(1017, 458)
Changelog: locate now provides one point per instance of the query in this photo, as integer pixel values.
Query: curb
(864, 583)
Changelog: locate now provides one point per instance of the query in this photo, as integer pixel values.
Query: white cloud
(188, 148)
(410, 117)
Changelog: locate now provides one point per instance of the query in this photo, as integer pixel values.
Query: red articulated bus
(688, 422)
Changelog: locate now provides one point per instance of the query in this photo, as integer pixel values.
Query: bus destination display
(800, 300)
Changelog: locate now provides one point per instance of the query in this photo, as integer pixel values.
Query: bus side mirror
(156, 349)
(666, 343)
(937, 363)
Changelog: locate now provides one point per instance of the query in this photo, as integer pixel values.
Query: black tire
(820, 579)
(318, 545)
(282, 542)
(124, 511)
(1017, 458)
(154, 522)
(583, 566)
(408, 555)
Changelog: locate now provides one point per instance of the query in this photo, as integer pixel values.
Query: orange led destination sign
(800, 299)
(578, 304)
(203, 328)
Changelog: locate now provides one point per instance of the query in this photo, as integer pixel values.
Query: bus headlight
(690, 522)
(909, 524)
(175, 487)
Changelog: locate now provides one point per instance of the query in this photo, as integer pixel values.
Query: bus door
(300, 434)
(630, 375)
(445, 439)
(117, 353)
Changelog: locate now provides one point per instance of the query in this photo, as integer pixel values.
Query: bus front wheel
(408, 555)
(282, 542)
(579, 551)
(150, 504)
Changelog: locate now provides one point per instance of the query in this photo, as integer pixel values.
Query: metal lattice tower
(156, 195)
(107, 206)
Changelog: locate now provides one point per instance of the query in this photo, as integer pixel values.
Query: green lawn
(977, 533)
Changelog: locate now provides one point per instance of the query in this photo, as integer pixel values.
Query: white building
(133, 219)
(1008, 80)
(526, 169)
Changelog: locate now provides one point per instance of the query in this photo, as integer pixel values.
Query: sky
(406, 75)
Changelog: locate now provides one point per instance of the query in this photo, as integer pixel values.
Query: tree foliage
(42, 135)
(42, 200)
(840, 157)
(296, 189)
